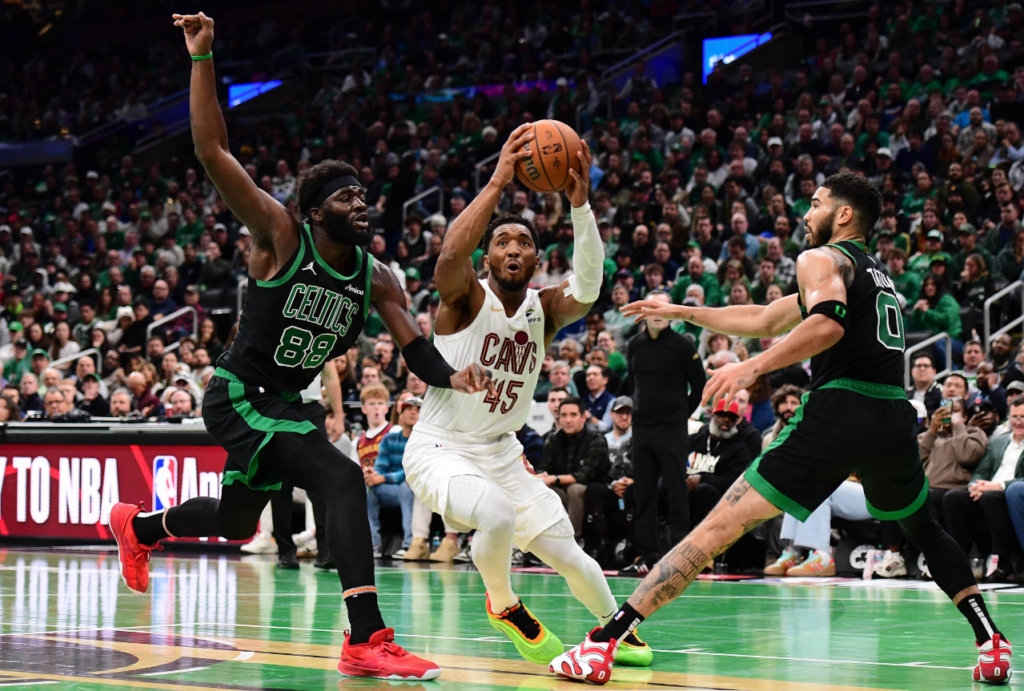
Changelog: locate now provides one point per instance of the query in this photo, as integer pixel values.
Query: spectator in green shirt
(922, 261)
(908, 283)
(695, 275)
(968, 235)
(913, 203)
(616, 360)
(872, 132)
(765, 278)
(936, 311)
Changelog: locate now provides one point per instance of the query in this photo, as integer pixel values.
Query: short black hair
(312, 180)
(859, 194)
(924, 356)
(510, 219)
(571, 400)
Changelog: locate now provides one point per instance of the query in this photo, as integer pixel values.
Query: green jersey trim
(224, 374)
(902, 513)
(326, 266)
(884, 391)
(369, 280)
(765, 488)
(844, 251)
(291, 271)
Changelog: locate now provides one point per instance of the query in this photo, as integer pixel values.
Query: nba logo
(165, 482)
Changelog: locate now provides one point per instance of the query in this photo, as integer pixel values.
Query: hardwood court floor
(216, 622)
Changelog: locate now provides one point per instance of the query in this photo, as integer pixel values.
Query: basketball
(555, 145)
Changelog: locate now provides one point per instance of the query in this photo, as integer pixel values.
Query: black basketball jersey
(295, 322)
(871, 350)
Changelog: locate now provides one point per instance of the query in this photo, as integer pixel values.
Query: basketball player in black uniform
(311, 287)
(855, 419)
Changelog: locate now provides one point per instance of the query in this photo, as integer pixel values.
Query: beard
(787, 416)
(719, 433)
(510, 285)
(822, 235)
(341, 228)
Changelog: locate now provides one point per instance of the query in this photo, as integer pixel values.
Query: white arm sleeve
(587, 257)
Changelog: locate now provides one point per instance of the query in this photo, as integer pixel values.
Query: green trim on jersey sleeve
(326, 266)
(369, 280)
(764, 488)
(844, 251)
(291, 271)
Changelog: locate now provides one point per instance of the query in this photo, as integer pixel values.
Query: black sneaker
(323, 560)
(287, 560)
(638, 569)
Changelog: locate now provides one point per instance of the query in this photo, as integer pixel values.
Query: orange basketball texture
(555, 145)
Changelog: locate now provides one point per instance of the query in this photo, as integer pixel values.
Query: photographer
(950, 449)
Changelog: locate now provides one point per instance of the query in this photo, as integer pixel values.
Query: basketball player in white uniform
(463, 459)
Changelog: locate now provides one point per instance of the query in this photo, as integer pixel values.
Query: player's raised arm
(260, 212)
(822, 274)
(454, 274)
(422, 357)
(749, 321)
(570, 301)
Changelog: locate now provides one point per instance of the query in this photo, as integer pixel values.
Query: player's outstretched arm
(420, 355)
(749, 321)
(822, 277)
(261, 213)
(570, 301)
(454, 274)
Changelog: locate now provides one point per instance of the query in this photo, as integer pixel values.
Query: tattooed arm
(739, 511)
(822, 275)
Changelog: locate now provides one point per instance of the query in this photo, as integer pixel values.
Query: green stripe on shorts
(765, 488)
(260, 423)
(870, 389)
(922, 497)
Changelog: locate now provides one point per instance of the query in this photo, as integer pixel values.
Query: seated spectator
(9, 411)
(386, 479)
(622, 423)
(988, 389)
(616, 360)
(145, 401)
(785, 402)
(974, 355)
(122, 403)
(936, 312)
(925, 389)
(559, 377)
(745, 429)
(1001, 353)
(573, 457)
(621, 327)
(182, 404)
(813, 536)
(765, 279)
(597, 401)
(908, 283)
(982, 507)
(554, 400)
(950, 450)
(30, 398)
(92, 399)
(1010, 261)
(54, 404)
(695, 275)
(718, 455)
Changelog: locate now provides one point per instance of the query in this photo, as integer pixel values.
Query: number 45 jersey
(304, 316)
(512, 348)
(871, 350)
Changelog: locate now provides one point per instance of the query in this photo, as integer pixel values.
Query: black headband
(332, 186)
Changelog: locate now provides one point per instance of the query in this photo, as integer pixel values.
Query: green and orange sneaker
(633, 652)
(530, 637)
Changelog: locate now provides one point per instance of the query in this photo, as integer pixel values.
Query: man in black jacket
(924, 387)
(666, 380)
(573, 457)
(719, 454)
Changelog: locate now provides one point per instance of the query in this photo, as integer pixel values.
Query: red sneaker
(994, 661)
(382, 658)
(134, 556)
(590, 661)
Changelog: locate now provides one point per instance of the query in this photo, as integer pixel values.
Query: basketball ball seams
(540, 163)
(568, 157)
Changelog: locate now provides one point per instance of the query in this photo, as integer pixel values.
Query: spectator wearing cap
(922, 261)
(385, 481)
(983, 506)
(416, 239)
(20, 361)
(93, 401)
(62, 293)
(597, 400)
(622, 424)
(968, 236)
(418, 293)
(573, 457)
(15, 331)
(718, 455)
(13, 306)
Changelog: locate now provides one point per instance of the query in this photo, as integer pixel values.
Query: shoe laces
(520, 617)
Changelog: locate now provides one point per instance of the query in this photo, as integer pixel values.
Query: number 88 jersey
(304, 316)
(512, 348)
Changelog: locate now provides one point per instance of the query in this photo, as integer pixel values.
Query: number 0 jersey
(871, 350)
(512, 348)
(304, 316)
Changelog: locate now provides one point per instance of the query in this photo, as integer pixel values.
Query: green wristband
(196, 58)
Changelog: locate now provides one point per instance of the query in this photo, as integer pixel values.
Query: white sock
(582, 573)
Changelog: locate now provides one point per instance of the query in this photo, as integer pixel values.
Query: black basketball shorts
(843, 428)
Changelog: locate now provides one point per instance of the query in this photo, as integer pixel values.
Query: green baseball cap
(413, 273)
(60, 307)
(934, 235)
(968, 229)
(39, 351)
(16, 326)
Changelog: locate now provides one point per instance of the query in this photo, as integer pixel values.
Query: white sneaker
(261, 544)
(305, 545)
(464, 556)
(399, 554)
(891, 566)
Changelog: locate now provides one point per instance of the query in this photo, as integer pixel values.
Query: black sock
(149, 527)
(624, 621)
(363, 615)
(973, 607)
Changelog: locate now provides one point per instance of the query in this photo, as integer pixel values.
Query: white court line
(173, 671)
(95, 629)
(684, 651)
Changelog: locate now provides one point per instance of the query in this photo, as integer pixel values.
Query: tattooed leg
(740, 510)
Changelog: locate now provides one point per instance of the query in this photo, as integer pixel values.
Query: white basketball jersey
(512, 348)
